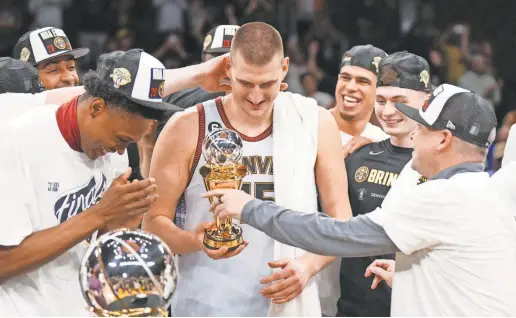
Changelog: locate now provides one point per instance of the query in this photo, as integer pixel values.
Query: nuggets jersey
(226, 287)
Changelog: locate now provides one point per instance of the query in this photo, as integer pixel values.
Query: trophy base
(232, 238)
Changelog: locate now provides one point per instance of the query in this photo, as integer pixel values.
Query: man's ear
(97, 107)
(446, 140)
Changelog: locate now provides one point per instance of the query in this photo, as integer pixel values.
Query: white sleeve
(509, 153)
(17, 198)
(416, 222)
(504, 180)
(23, 100)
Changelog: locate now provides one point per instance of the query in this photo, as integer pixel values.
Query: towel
(295, 129)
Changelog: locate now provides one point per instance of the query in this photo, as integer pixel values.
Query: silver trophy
(128, 273)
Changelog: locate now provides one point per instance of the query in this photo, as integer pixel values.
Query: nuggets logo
(120, 77)
(361, 174)
(80, 199)
(60, 43)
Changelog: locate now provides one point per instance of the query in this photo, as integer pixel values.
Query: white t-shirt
(44, 182)
(371, 131)
(14, 104)
(509, 153)
(458, 243)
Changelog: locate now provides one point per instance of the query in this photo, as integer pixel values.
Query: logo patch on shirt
(80, 199)
(361, 174)
(53, 186)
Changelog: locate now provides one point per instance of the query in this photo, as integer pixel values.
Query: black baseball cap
(364, 56)
(18, 77)
(44, 44)
(404, 70)
(218, 40)
(467, 115)
(137, 75)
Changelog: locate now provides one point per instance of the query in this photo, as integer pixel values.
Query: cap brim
(411, 113)
(75, 53)
(216, 51)
(163, 106)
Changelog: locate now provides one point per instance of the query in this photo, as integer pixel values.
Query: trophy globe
(222, 148)
(128, 273)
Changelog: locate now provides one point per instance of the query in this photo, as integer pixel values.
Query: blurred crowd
(316, 33)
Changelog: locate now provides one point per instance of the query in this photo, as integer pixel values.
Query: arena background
(448, 33)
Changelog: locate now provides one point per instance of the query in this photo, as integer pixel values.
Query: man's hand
(222, 252)
(230, 202)
(288, 283)
(354, 144)
(383, 269)
(212, 74)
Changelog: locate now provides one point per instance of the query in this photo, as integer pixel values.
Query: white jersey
(226, 287)
(44, 183)
(371, 131)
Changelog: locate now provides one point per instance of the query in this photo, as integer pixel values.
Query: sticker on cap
(376, 62)
(54, 41)
(207, 41)
(424, 77)
(60, 43)
(24, 54)
(157, 84)
(121, 76)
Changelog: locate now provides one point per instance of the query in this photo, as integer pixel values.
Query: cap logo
(424, 77)
(346, 59)
(60, 43)
(24, 54)
(157, 84)
(376, 62)
(121, 77)
(450, 125)
(207, 41)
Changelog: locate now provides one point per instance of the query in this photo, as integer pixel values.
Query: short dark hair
(96, 87)
(258, 43)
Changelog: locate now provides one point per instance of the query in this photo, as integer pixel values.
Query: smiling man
(355, 93)
(403, 78)
(51, 52)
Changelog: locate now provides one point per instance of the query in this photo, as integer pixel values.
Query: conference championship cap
(44, 44)
(404, 70)
(218, 40)
(364, 56)
(18, 77)
(137, 75)
(467, 115)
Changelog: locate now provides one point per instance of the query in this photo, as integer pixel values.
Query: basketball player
(403, 77)
(59, 184)
(231, 286)
(355, 93)
(50, 51)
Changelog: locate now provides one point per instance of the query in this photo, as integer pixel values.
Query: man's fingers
(143, 193)
(215, 193)
(282, 274)
(219, 209)
(136, 186)
(280, 289)
(124, 177)
(286, 299)
(376, 281)
(143, 203)
(223, 252)
(280, 263)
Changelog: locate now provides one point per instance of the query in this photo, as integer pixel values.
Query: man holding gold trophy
(220, 273)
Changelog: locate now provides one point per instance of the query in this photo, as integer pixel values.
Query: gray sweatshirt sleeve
(317, 232)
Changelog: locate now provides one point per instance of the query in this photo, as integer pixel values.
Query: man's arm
(170, 167)
(332, 182)
(318, 233)
(42, 247)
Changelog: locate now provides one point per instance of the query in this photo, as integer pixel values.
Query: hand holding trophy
(222, 151)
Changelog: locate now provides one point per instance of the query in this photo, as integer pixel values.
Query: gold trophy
(222, 150)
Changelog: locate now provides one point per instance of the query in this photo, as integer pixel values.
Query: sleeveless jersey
(226, 287)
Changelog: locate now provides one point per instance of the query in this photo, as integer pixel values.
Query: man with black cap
(60, 184)
(372, 169)
(454, 236)
(355, 93)
(51, 52)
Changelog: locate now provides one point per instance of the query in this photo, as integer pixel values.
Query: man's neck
(402, 141)
(250, 126)
(353, 127)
